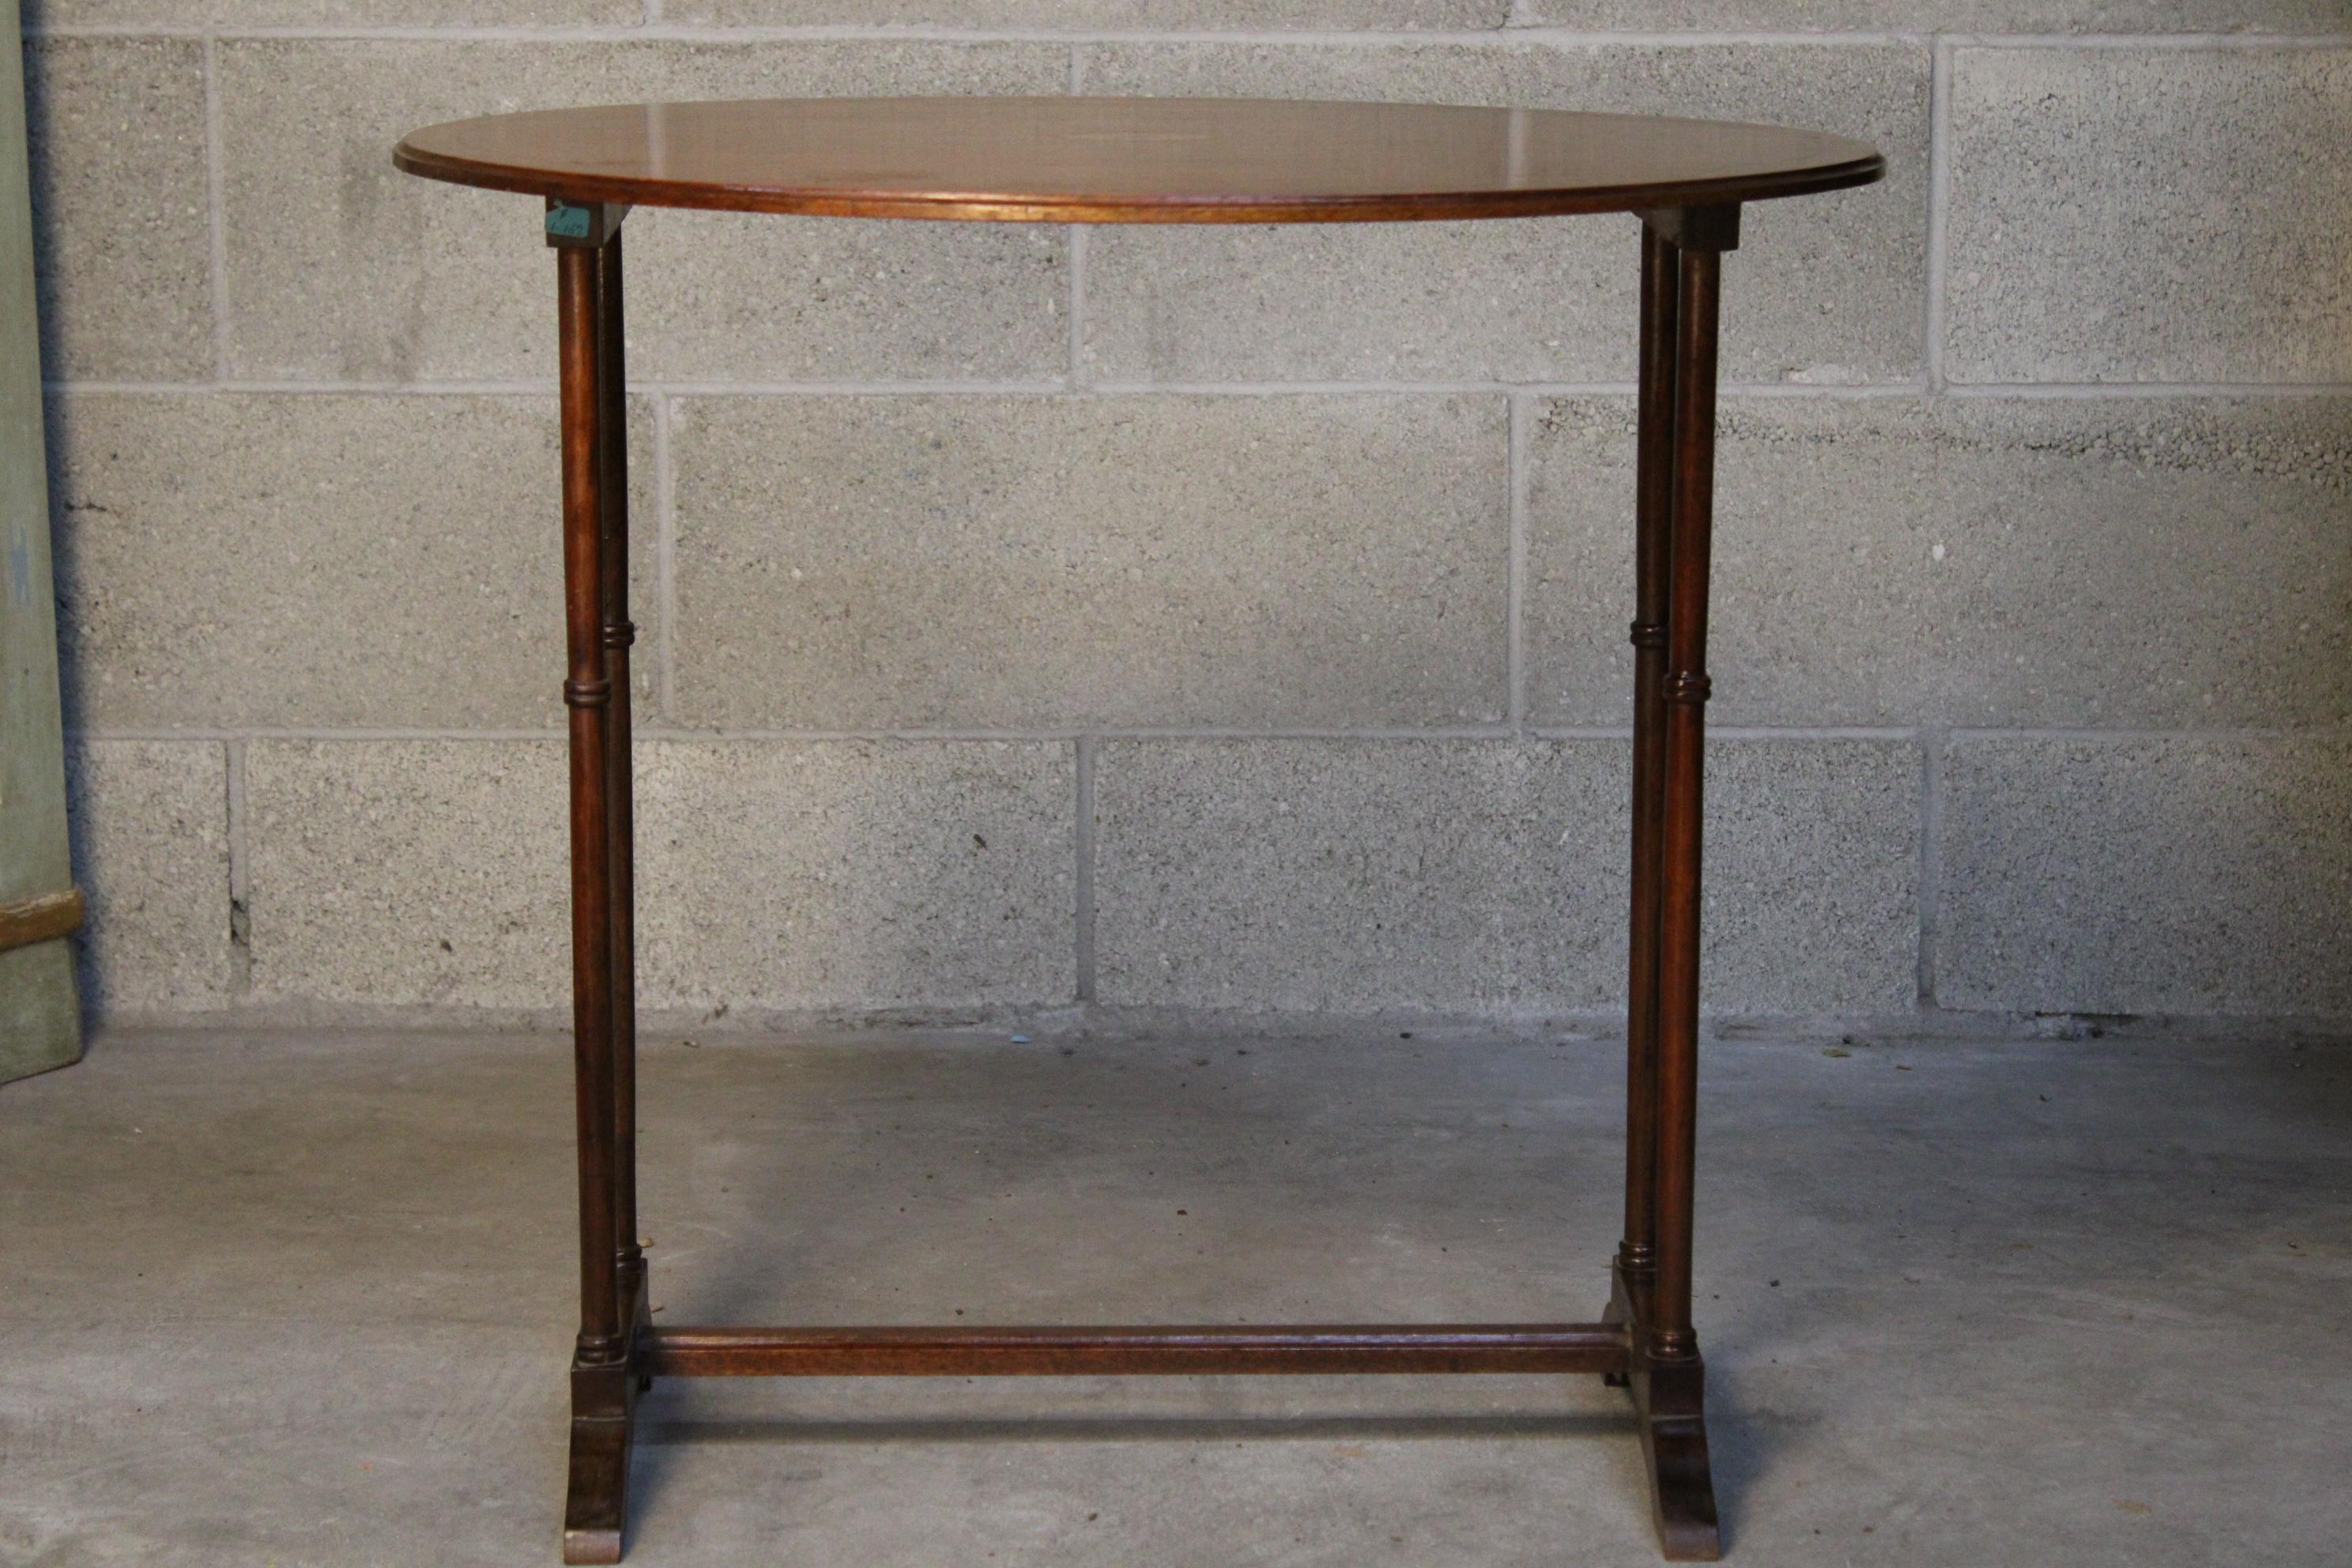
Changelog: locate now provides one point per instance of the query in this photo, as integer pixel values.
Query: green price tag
(567, 222)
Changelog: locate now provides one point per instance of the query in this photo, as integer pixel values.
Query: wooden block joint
(1697, 228)
(585, 224)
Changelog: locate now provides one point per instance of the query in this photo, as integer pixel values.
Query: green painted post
(40, 1024)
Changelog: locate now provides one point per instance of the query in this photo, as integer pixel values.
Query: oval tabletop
(1131, 160)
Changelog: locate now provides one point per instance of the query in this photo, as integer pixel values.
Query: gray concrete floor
(305, 1299)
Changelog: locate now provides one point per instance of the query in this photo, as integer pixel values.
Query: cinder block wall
(1214, 618)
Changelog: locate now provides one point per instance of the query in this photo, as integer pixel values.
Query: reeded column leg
(603, 1388)
(1653, 494)
(620, 783)
(1668, 1377)
(1684, 694)
(588, 695)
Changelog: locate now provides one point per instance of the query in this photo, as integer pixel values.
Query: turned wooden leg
(1636, 1265)
(620, 781)
(602, 1386)
(1685, 693)
(1682, 255)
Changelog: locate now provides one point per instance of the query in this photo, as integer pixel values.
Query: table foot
(1670, 1407)
(595, 1504)
(1670, 1399)
(603, 1422)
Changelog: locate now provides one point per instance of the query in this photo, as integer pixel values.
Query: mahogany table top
(1131, 160)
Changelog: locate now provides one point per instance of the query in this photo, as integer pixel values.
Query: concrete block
(434, 872)
(2174, 874)
(1359, 876)
(1160, 15)
(117, 153)
(1969, 561)
(293, 560)
(409, 873)
(341, 266)
(2158, 214)
(151, 854)
(1812, 883)
(1043, 561)
(1946, 16)
(855, 875)
(1822, 290)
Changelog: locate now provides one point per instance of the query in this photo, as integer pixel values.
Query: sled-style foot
(595, 1504)
(1670, 1401)
(1670, 1398)
(603, 1415)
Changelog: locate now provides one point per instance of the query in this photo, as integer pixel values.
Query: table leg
(620, 782)
(1653, 495)
(602, 1383)
(1682, 261)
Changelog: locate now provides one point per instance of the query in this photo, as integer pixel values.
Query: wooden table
(1079, 160)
